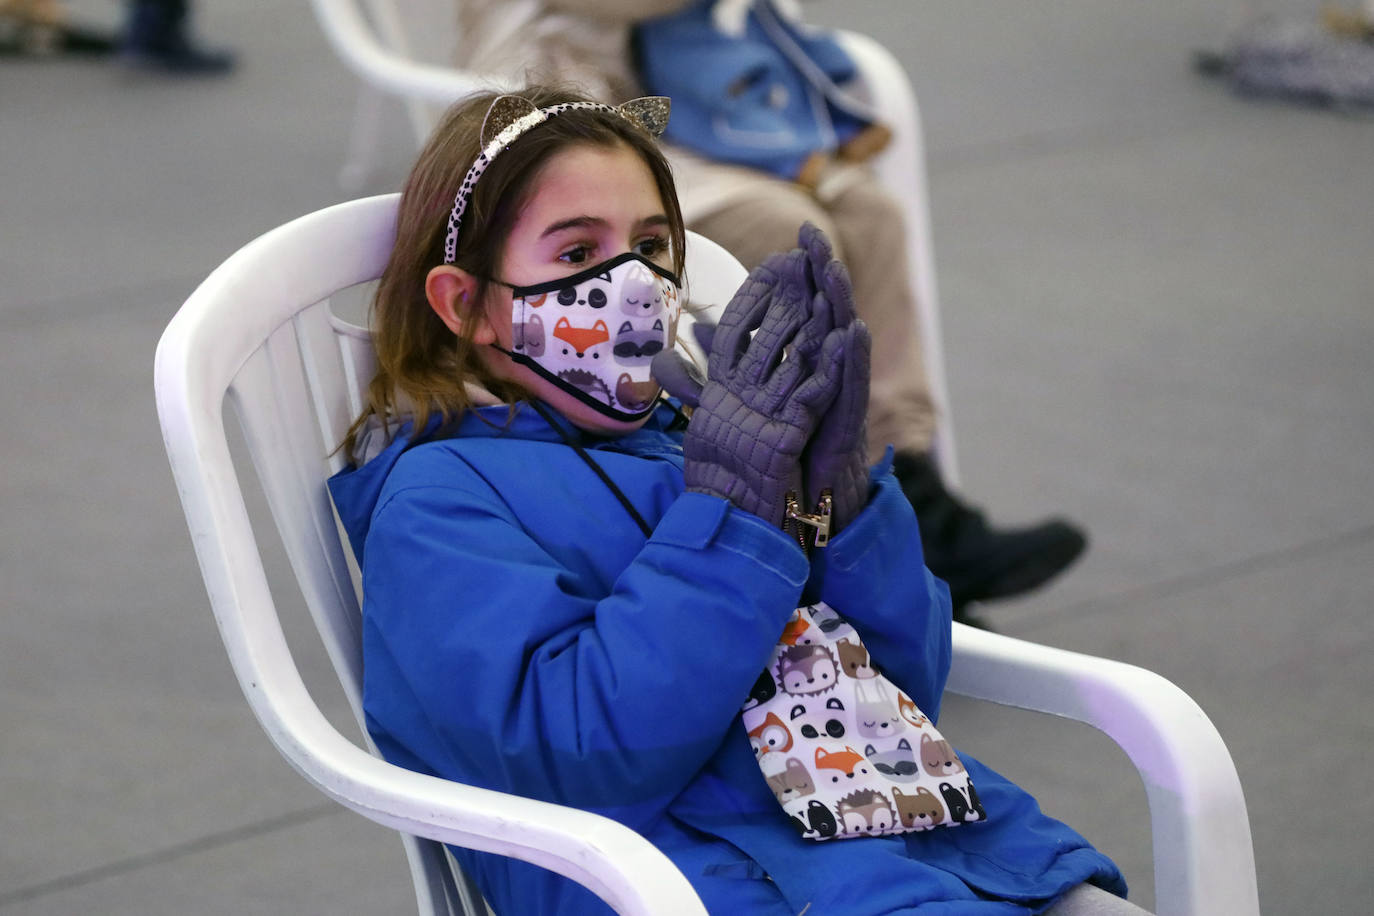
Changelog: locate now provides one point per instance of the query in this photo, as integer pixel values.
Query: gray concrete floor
(1158, 316)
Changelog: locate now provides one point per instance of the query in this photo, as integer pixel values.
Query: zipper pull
(818, 520)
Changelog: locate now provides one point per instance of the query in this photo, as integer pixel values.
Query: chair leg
(436, 892)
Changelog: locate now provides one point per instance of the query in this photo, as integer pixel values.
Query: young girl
(570, 597)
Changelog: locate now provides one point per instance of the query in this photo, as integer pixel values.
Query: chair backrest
(295, 374)
(902, 168)
(378, 40)
(260, 334)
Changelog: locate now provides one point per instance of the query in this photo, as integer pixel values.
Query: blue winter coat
(521, 634)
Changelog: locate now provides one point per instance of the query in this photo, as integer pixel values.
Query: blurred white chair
(403, 50)
(260, 334)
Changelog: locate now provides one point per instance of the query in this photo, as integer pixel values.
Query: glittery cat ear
(649, 112)
(505, 110)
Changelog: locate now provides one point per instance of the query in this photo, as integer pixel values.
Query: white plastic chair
(378, 42)
(259, 334)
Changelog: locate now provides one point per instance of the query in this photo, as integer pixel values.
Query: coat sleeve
(490, 662)
(873, 573)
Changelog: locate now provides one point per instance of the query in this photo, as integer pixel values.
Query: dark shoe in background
(979, 562)
(157, 38)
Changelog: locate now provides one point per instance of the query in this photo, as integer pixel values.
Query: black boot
(156, 38)
(978, 562)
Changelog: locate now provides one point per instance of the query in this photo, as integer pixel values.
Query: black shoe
(962, 614)
(77, 39)
(180, 59)
(978, 562)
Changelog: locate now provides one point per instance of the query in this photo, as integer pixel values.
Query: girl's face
(589, 204)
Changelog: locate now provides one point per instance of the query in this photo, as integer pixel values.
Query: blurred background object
(154, 35)
(42, 27)
(158, 36)
(1326, 60)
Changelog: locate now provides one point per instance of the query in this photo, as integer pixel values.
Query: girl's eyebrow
(596, 222)
(577, 222)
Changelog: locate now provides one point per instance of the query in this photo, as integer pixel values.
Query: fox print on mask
(597, 332)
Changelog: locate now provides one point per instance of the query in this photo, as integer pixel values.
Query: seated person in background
(574, 594)
(586, 43)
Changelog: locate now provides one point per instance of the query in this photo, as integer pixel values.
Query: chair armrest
(1204, 858)
(354, 41)
(608, 858)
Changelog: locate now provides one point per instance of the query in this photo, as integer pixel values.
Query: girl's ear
(452, 293)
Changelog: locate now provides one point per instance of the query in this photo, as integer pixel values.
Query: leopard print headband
(510, 116)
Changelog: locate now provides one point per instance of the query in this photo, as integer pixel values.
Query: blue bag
(758, 90)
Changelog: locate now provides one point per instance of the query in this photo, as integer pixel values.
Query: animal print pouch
(846, 753)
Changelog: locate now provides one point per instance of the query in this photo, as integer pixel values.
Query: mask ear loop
(680, 418)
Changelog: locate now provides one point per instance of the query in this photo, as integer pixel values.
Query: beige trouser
(866, 228)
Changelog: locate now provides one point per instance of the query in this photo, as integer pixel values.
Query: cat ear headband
(510, 116)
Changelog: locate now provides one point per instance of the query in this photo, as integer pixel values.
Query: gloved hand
(763, 394)
(678, 375)
(684, 380)
(837, 456)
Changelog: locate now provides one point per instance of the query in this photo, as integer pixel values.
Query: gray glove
(837, 456)
(764, 394)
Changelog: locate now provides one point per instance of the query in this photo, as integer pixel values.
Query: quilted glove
(772, 371)
(679, 376)
(836, 457)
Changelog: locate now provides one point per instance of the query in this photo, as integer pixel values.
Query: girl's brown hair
(422, 367)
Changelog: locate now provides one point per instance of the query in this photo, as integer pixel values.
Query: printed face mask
(593, 334)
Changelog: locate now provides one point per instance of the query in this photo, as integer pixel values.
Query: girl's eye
(576, 255)
(653, 245)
